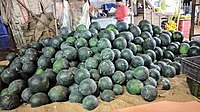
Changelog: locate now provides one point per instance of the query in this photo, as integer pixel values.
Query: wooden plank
(144, 9)
(4, 62)
(196, 35)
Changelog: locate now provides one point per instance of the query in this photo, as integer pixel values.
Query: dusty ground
(178, 93)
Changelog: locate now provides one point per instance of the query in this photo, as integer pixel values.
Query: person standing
(121, 11)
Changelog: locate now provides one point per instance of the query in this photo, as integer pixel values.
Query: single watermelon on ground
(90, 102)
(39, 99)
(107, 95)
(149, 93)
(58, 93)
(168, 71)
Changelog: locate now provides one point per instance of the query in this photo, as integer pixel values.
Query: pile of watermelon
(85, 64)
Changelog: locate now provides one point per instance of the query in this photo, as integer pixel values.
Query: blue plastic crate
(3, 30)
(4, 42)
(107, 7)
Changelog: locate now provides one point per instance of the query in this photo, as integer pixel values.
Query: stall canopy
(31, 20)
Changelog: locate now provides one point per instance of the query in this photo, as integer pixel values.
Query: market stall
(102, 66)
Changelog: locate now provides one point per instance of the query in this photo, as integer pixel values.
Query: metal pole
(55, 19)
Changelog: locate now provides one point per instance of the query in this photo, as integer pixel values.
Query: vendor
(121, 11)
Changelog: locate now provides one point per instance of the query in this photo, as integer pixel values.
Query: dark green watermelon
(87, 87)
(107, 54)
(165, 39)
(127, 35)
(135, 30)
(122, 26)
(132, 47)
(58, 93)
(9, 102)
(81, 42)
(95, 25)
(118, 89)
(39, 99)
(137, 61)
(121, 64)
(91, 63)
(38, 83)
(149, 93)
(177, 36)
(16, 86)
(168, 71)
(120, 43)
(149, 43)
(194, 51)
(134, 87)
(81, 74)
(103, 43)
(146, 35)
(106, 68)
(127, 54)
(107, 95)
(65, 77)
(90, 102)
(70, 53)
(138, 40)
(118, 77)
(84, 53)
(141, 73)
(107, 34)
(105, 83)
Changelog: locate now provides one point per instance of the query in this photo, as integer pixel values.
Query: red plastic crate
(184, 26)
(184, 23)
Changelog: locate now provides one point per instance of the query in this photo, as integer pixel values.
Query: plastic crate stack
(4, 38)
(191, 67)
(184, 26)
